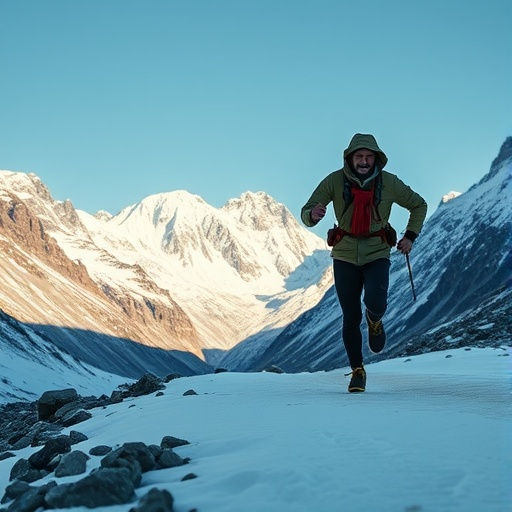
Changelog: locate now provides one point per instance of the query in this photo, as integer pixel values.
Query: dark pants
(350, 281)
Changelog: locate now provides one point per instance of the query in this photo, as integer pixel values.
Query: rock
(100, 450)
(189, 476)
(146, 385)
(15, 490)
(116, 397)
(127, 458)
(37, 435)
(172, 442)
(190, 392)
(77, 437)
(274, 369)
(73, 463)
(29, 499)
(22, 470)
(155, 500)
(75, 417)
(51, 401)
(172, 376)
(103, 487)
(53, 447)
(170, 459)
(16, 420)
(67, 408)
(46, 432)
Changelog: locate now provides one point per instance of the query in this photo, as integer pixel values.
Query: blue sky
(111, 101)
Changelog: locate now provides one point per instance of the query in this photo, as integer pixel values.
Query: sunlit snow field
(432, 433)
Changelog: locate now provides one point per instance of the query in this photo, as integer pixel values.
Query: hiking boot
(376, 334)
(358, 380)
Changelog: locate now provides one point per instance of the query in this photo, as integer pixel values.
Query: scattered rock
(15, 490)
(28, 498)
(73, 463)
(172, 442)
(170, 459)
(53, 447)
(172, 376)
(51, 401)
(40, 424)
(273, 369)
(155, 500)
(77, 437)
(101, 450)
(189, 392)
(146, 385)
(103, 487)
(22, 470)
(75, 417)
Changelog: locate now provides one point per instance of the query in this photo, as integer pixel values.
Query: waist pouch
(387, 234)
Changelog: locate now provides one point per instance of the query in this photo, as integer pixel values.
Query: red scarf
(362, 213)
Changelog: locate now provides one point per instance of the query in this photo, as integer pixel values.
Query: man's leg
(376, 283)
(348, 280)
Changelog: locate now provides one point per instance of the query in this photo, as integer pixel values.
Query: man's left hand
(404, 246)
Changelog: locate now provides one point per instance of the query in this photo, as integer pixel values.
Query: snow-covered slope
(44, 290)
(432, 433)
(223, 269)
(170, 272)
(31, 364)
(461, 270)
(461, 266)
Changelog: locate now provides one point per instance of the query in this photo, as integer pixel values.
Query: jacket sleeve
(417, 206)
(323, 195)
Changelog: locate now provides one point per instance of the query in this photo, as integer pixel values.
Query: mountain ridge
(244, 286)
(130, 281)
(462, 283)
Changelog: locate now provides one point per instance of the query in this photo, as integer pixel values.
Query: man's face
(363, 161)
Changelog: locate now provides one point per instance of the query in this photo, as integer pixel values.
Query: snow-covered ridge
(219, 274)
(461, 272)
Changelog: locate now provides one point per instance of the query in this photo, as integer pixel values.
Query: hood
(366, 141)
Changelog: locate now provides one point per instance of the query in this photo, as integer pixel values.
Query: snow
(432, 433)
(451, 195)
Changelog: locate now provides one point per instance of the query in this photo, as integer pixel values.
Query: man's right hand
(318, 212)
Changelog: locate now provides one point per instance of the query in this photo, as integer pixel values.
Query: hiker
(362, 193)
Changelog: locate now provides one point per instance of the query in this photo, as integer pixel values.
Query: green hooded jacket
(360, 251)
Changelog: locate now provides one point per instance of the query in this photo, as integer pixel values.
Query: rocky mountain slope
(164, 286)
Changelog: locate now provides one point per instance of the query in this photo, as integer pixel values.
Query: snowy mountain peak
(259, 211)
(451, 195)
(504, 158)
(31, 190)
(504, 154)
(103, 215)
(160, 208)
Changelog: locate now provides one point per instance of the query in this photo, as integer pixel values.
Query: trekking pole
(410, 276)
